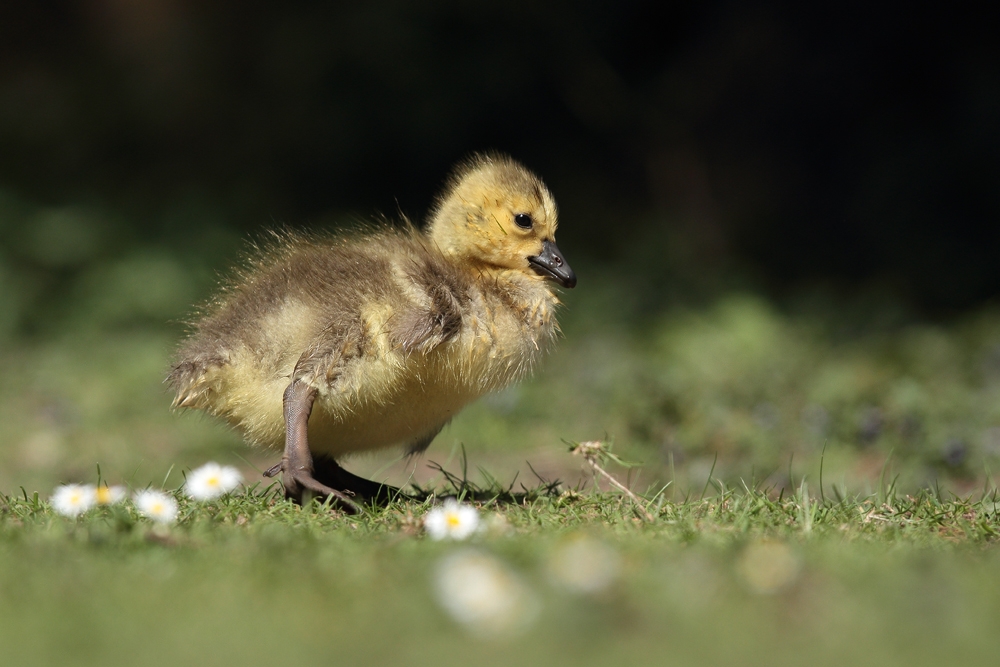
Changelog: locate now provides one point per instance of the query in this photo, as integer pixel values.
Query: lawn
(741, 577)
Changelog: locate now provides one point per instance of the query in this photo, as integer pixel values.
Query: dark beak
(550, 263)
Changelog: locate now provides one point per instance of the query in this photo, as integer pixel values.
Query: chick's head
(495, 214)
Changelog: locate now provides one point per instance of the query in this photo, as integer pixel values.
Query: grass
(743, 576)
(797, 515)
(778, 535)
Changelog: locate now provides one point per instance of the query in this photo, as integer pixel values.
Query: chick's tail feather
(192, 382)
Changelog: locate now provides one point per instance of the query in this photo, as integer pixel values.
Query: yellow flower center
(452, 520)
(212, 481)
(103, 495)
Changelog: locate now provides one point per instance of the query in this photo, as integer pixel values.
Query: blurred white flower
(497, 525)
(73, 499)
(769, 567)
(109, 495)
(583, 564)
(211, 481)
(452, 520)
(484, 595)
(156, 505)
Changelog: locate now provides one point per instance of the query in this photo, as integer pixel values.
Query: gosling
(335, 346)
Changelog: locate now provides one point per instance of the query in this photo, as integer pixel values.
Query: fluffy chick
(328, 347)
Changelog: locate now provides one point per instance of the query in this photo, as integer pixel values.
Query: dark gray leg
(296, 462)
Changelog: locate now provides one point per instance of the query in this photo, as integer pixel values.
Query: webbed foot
(301, 484)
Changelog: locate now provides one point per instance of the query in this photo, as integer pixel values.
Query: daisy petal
(452, 520)
(211, 481)
(73, 499)
(156, 505)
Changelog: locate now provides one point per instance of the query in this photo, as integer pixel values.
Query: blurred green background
(783, 219)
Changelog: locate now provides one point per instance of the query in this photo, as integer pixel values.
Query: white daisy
(769, 567)
(484, 595)
(156, 505)
(452, 520)
(73, 499)
(110, 495)
(211, 481)
(583, 564)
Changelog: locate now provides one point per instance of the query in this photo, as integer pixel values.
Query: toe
(304, 482)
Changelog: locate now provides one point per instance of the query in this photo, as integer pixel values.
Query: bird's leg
(329, 472)
(296, 462)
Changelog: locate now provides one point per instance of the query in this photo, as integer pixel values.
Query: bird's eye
(523, 220)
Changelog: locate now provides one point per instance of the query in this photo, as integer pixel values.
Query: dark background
(698, 144)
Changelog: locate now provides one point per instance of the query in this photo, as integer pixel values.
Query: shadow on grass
(380, 495)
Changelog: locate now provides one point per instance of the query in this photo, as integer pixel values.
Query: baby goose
(357, 343)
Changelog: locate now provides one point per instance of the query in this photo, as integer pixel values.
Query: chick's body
(389, 334)
(394, 338)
